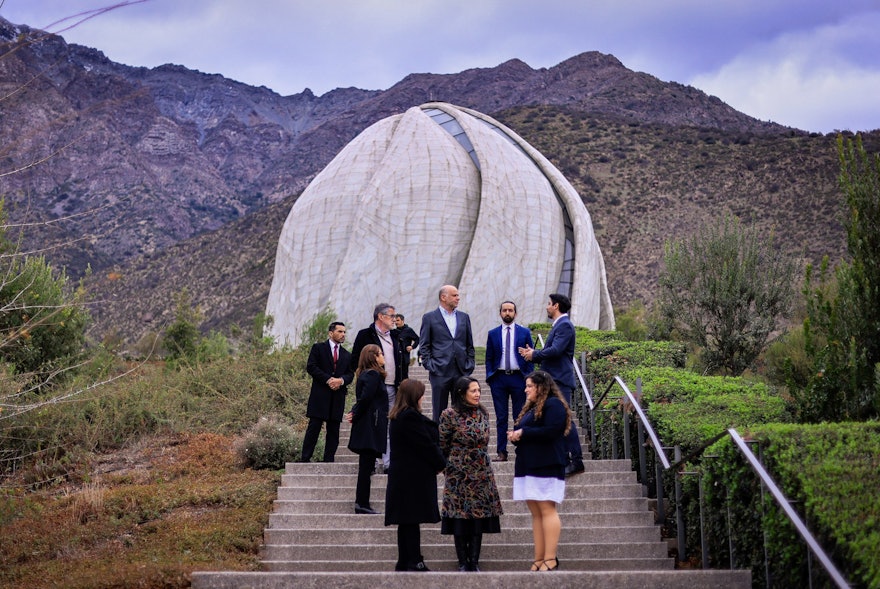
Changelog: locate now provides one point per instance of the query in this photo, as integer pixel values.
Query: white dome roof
(438, 195)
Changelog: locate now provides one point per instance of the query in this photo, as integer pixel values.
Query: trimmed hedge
(686, 409)
(832, 471)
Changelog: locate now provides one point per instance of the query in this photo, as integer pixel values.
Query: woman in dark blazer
(416, 459)
(369, 422)
(539, 471)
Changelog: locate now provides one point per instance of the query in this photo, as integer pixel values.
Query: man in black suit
(446, 347)
(329, 365)
(409, 341)
(557, 359)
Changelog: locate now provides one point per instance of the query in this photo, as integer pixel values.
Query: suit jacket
(324, 402)
(558, 353)
(542, 444)
(521, 337)
(368, 336)
(442, 353)
(416, 459)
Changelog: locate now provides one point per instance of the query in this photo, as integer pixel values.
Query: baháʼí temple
(437, 195)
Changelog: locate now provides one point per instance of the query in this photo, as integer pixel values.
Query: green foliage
(842, 330)
(607, 356)
(182, 337)
(833, 468)
(268, 445)
(724, 289)
(687, 409)
(316, 331)
(42, 321)
(786, 364)
(631, 323)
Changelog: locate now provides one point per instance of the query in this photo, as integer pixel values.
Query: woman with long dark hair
(369, 422)
(471, 503)
(539, 471)
(416, 459)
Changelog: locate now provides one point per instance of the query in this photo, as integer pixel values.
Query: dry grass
(150, 516)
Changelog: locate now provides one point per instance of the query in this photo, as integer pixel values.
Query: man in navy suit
(556, 358)
(329, 365)
(506, 371)
(446, 347)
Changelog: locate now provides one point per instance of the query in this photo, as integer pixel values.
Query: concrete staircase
(609, 538)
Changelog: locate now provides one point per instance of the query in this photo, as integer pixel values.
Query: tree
(842, 328)
(724, 289)
(42, 320)
(182, 337)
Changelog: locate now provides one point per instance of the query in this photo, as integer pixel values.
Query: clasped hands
(514, 435)
(526, 352)
(334, 383)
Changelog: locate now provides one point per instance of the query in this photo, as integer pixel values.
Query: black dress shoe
(418, 567)
(576, 466)
(366, 510)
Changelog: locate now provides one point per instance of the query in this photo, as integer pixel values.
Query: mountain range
(146, 182)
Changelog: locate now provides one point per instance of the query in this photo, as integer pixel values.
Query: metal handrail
(785, 504)
(753, 461)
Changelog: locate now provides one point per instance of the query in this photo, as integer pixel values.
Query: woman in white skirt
(539, 471)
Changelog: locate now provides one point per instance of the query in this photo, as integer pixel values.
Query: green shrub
(831, 473)
(270, 444)
(686, 409)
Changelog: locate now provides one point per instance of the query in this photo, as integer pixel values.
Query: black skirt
(470, 527)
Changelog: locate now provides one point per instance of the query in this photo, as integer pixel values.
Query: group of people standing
(392, 436)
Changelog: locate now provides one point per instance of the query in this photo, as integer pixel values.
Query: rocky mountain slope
(166, 178)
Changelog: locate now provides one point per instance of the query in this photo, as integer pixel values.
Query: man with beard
(506, 371)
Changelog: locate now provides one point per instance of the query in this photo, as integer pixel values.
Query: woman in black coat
(369, 422)
(539, 471)
(416, 459)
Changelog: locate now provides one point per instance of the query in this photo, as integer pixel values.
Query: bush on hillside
(270, 444)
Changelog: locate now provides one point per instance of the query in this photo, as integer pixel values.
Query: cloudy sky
(810, 64)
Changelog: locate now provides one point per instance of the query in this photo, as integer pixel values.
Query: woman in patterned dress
(471, 503)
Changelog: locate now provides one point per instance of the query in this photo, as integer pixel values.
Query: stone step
(338, 536)
(293, 521)
(587, 491)
(334, 507)
(598, 579)
(348, 480)
(488, 565)
(296, 468)
(437, 547)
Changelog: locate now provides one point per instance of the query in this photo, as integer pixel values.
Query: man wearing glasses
(383, 333)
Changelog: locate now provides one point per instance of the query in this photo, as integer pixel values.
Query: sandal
(546, 567)
(536, 565)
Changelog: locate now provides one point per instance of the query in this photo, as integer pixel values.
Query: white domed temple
(437, 195)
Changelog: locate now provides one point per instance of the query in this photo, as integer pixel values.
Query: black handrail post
(643, 458)
(679, 512)
(661, 510)
(627, 453)
(614, 436)
(704, 545)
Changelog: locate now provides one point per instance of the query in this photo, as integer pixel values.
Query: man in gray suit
(446, 347)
